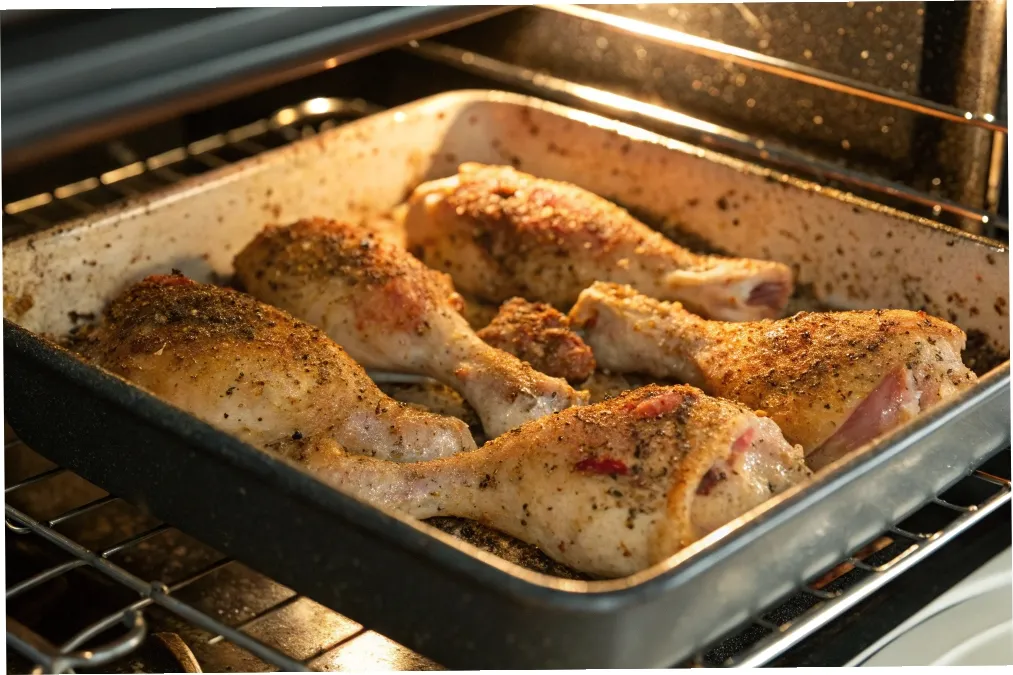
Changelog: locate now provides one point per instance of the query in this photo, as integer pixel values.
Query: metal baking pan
(435, 593)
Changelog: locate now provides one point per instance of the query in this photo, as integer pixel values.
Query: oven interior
(97, 585)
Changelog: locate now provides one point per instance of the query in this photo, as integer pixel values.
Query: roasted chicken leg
(832, 381)
(608, 489)
(255, 372)
(540, 335)
(393, 313)
(502, 233)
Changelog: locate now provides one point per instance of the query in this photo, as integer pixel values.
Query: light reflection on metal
(780, 67)
(128, 171)
(32, 202)
(645, 114)
(206, 144)
(249, 131)
(617, 101)
(996, 175)
(76, 188)
(162, 162)
(318, 106)
(354, 108)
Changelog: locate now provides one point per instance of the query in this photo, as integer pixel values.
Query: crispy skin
(607, 489)
(809, 372)
(392, 313)
(540, 335)
(502, 233)
(253, 371)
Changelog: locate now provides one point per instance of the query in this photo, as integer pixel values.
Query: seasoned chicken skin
(389, 227)
(393, 313)
(502, 233)
(832, 381)
(540, 335)
(608, 489)
(258, 374)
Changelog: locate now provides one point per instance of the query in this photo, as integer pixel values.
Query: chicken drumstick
(256, 373)
(832, 381)
(608, 489)
(501, 233)
(393, 313)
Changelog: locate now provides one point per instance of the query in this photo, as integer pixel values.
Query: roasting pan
(436, 594)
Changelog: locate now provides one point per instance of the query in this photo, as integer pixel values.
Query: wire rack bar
(785, 637)
(705, 133)
(155, 592)
(779, 67)
(102, 625)
(135, 540)
(43, 577)
(286, 125)
(43, 652)
(33, 479)
(80, 510)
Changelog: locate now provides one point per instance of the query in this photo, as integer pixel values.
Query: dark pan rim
(459, 556)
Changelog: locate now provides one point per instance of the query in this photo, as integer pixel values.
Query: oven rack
(139, 175)
(85, 650)
(976, 220)
(674, 124)
(765, 637)
(255, 137)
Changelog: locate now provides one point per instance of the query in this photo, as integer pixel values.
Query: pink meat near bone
(608, 489)
(832, 381)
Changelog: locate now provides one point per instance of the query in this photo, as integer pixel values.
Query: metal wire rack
(318, 639)
(323, 639)
(74, 199)
(141, 175)
(288, 631)
(763, 150)
(707, 134)
(862, 573)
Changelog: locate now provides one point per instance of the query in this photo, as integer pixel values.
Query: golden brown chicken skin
(832, 381)
(255, 372)
(502, 233)
(539, 334)
(393, 314)
(608, 489)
